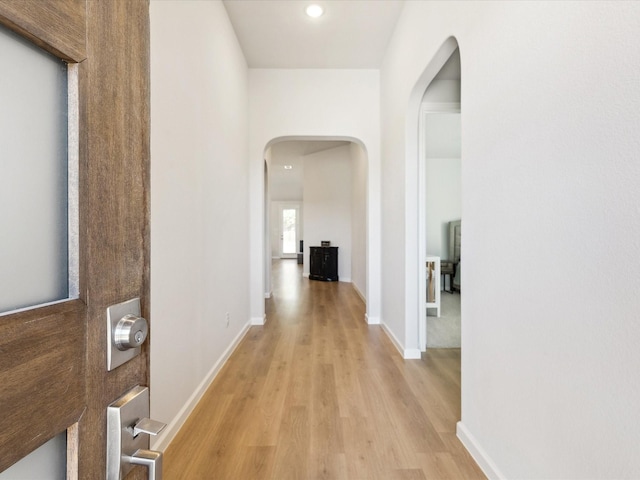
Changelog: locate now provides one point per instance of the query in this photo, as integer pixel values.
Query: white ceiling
(278, 33)
(282, 152)
(287, 183)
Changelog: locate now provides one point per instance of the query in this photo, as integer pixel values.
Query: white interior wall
(358, 218)
(444, 202)
(199, 200)
(327, 205)
(312, 104)
(443, 178)
(549, 177)
(274, 227)
(442, 91)
(268, 221)
(285, 186)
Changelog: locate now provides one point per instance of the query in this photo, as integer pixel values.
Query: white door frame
(425, 109)
(289, 205)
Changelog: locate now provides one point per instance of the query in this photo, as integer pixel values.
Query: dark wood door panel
(42, 372)
(58, 26)
(43, 350)
(69, 384)
(115, 187)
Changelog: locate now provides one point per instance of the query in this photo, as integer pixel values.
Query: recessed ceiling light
(288, 167)
(314, 10)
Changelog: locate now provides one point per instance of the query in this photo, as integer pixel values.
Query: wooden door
(53, 375)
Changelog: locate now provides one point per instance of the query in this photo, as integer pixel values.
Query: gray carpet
(444, 332)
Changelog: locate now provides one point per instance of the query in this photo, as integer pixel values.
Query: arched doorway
(440, 206)
(325, 180)
(416, 288)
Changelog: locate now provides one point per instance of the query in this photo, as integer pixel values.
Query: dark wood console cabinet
(323, 264)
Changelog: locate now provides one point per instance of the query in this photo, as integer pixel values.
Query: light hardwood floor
(318, 394)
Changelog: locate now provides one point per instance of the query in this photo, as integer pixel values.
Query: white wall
(442, 91)
(327, 205)
(443, 198)
(267, 223)
(274, 228)
(328, 104)
(443, 195)
(549, 182)
(358, 218)
(285, 186)
(199, 199)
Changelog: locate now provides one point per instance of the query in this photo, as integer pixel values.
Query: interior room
(442, 200)
(325, 180)
(164, 113)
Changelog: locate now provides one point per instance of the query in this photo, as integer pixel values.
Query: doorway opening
(289, 229)
(440, 205)
(441, 199)
(317, 192)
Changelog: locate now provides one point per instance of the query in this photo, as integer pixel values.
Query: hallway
(316, 393)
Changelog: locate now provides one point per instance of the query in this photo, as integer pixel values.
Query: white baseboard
(267, 294)
(162, 441)
(372, 320)
(477, 452)
(359, 293)
(412, 354)
(407, 353)
(305, 275)
(393, 338)
(259, 320)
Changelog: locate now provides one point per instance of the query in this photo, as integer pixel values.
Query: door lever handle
(146, 425)
(150, 459)
(128, 431)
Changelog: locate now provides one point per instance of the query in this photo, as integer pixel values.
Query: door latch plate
(122, 415)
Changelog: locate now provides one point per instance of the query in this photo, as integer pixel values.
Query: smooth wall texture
(284, 186)
(550, 115)
(358, 218)
(443, 179)
(313, 104)
(199, 197)
(443, 198)
(327, 205)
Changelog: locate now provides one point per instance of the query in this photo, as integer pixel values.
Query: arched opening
(316, 190)
(417, 245)
(440, 207)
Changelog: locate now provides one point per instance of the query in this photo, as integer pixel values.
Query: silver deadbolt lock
(126, 332)
(131, 332)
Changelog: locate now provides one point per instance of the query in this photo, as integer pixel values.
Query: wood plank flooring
(318, 394)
